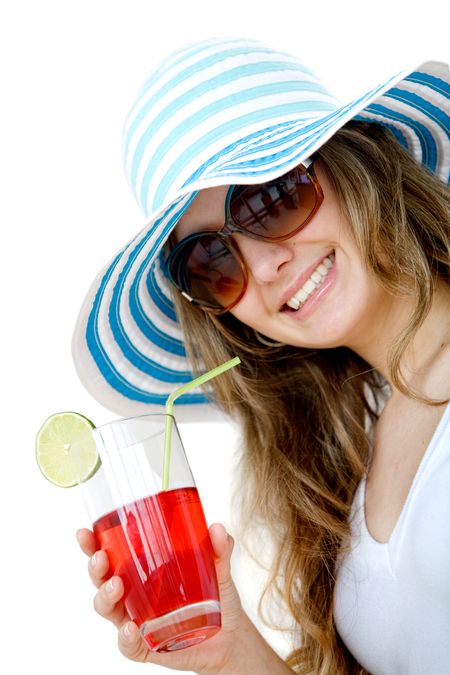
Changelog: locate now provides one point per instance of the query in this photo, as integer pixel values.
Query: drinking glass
(156, 539)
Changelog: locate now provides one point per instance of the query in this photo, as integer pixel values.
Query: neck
(424, 361)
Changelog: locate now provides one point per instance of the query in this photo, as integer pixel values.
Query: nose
(263, 259)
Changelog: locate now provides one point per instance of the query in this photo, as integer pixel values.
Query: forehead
(206, 212)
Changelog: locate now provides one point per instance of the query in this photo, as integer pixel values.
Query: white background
(69, 72)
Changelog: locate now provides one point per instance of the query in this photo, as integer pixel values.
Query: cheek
(247, 310)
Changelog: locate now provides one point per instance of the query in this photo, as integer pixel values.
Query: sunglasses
(208, 268)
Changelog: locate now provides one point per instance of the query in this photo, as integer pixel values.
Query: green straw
(169, 410)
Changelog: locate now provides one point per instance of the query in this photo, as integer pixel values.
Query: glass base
(184, 627)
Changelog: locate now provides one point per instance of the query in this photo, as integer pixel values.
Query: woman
(330, 279)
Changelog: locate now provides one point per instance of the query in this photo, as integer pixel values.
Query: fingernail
(94, 559)
(127, 631)
(110, 585)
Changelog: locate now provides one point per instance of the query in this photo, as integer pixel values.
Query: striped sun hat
(219, 112)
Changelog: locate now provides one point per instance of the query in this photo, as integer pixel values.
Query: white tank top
(392, 601)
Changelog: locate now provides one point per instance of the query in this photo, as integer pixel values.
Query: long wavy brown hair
(306, 414)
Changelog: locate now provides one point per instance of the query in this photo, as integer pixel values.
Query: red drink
(160, 547)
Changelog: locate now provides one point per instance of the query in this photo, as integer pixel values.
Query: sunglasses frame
(225, 235)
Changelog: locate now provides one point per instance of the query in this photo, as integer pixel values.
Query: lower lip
(311, 303)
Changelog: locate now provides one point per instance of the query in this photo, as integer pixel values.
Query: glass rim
(163, 415)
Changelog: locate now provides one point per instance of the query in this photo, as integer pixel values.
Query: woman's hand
(236, 648)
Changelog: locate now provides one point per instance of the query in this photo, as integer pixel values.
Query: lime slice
(65, 449)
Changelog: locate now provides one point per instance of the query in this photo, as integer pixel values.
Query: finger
(98, 567)
(86, 540)
(107, 602)
(131, 644)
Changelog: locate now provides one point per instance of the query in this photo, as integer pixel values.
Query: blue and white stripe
(220, 112)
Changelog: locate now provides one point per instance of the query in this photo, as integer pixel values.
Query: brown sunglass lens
(213, 274)
(274, 209)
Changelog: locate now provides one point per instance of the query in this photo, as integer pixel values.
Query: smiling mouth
(314, 282)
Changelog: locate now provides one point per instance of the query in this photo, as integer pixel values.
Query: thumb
(223, 544)
(221, 541)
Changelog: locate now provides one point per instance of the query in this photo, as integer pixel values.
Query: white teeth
(311, 284)
(293, 303)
